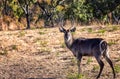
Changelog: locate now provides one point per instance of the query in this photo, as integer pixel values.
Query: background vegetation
(49, 12)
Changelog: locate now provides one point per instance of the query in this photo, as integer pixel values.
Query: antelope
(80, 47)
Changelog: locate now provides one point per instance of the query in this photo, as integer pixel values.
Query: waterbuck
(96, 47)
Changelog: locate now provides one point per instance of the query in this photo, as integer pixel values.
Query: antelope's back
(86, 46)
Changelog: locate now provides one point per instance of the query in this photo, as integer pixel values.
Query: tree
(25, 5)
(81, 11)
(102, 9)
(5, 7)
(49, 10)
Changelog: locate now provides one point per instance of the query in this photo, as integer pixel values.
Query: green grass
(41, 33)
(73, 33)
(73, 60)
(96, 67)
(4, 52)
(57, 53)
(33, 28)
(22, 33)
(37, 40)
(75, 76)
(113, 28)
(118, 59)
(41, 42)
(101, 31)
(14, 47)
(45, 50)
(112, 42)
(63, 45)
(117, 68)
(89, 30)
(83, 29)
(89, 60)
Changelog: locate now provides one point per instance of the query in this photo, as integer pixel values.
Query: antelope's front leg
(78, 64)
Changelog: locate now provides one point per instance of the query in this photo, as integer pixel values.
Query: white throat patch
(69, 38)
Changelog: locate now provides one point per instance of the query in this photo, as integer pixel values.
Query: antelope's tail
(104, 48)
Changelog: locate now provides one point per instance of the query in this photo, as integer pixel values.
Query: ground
(42, 54)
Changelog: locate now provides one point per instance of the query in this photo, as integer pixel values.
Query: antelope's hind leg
(101, 64)
(111, 65)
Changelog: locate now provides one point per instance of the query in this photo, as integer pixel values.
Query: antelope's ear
(73, 29)
(62, 29)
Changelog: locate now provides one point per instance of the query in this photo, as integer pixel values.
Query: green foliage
(80, 10)
(50, 10)
(24, 2)
(84, 11)
(17, 11)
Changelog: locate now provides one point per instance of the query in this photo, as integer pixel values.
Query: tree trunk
(110, 17)
(5, 8)
(27, 17)
(28, 21)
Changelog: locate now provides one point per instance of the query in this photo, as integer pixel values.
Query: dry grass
(41, 53)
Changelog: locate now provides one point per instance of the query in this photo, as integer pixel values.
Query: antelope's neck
(69, 42)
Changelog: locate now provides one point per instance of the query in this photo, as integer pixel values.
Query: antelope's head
(67, 32)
